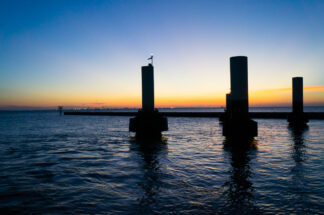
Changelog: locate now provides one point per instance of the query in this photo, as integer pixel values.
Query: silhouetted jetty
(254, 115)
(236, 118)
(148, 122)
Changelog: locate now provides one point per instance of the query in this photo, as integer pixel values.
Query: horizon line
(52, 108)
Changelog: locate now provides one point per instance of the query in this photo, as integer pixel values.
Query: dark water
(90, 165)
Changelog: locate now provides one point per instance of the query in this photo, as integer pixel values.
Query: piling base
(148, 124)
(237, 129)
(297, 120)
(224, 117)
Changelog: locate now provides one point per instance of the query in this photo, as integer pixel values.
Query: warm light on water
(90, 164)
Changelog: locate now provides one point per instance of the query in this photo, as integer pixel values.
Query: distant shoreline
(161, 109)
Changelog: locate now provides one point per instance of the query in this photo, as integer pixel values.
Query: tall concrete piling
(239, 124)
(239, 87)
(297, 117)
(148, 88)
(148, 123)
(298, 104)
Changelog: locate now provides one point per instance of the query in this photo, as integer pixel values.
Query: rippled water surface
(91, 164)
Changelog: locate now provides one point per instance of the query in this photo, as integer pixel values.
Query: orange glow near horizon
(313, 95)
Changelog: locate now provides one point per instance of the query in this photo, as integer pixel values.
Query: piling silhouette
(148, 122)
(228, 102)
(238, 123)
(227, 112)
(297, 118)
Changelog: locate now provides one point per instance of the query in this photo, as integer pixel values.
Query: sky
(89, 53)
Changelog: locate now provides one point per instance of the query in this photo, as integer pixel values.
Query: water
(91, 165)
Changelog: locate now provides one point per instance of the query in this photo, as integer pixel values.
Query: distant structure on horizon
(237, 123)
(148, 123)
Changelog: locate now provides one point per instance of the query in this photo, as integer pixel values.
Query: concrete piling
(298, 104)
(148, 123)
(227, 111)
(239, 87)
(148, 88)
(228, 103)
(297, 118)
(239, 124)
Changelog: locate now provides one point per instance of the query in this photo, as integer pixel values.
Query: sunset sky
(89, 53)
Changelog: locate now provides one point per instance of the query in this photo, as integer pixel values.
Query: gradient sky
(90, 53)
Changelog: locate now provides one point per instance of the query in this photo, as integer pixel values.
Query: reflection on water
(298, 154)
(239, 191)
(299, 148)
(150, 152)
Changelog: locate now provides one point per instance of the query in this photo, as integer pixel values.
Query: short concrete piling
(297, 117)
(239, 124)
(228, 102)
(227, 111)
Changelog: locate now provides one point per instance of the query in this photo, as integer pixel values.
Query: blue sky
(92, 51)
